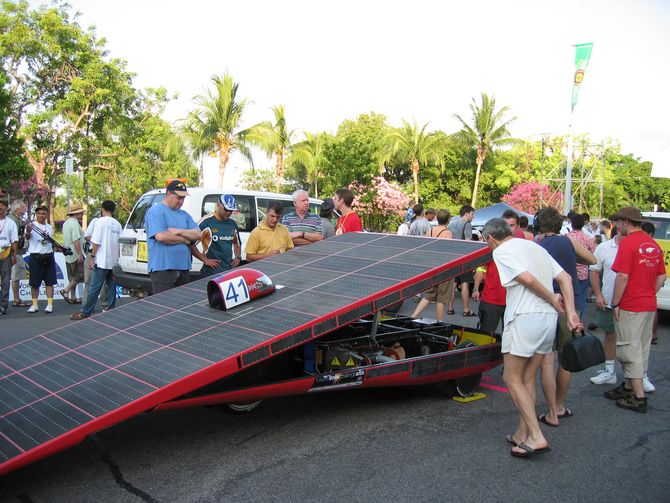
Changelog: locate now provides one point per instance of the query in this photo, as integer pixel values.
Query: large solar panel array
(60, 386)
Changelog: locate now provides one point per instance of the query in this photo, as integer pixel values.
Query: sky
(327, 61)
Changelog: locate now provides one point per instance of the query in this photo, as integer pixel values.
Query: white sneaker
(48, 309)
(33, 308)
(604, 377)
(646, 383)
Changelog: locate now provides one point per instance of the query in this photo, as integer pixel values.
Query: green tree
(215, 125)
(352, 154)
(310, 154)
(274, 139)
(13, 163)
(415, 146)
(488, 130)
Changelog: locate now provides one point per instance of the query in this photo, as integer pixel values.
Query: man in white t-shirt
(9, 239)
(42, 263)
(88, 270)
(605, 254)
(105, 255)
(527, 272)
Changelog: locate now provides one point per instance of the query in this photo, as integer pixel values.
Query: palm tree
(415, 145)
(214, 127)
(487, 131)
(311, 154)
(274, 139)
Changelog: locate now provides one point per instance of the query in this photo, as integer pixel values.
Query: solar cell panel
(99, 371)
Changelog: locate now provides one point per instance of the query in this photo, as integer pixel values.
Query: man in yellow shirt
(270, 237)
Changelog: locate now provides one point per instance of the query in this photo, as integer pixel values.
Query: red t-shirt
(642, 260)
(350, 222)
(493, 292)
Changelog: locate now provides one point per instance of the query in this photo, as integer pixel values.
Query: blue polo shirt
(163, 257)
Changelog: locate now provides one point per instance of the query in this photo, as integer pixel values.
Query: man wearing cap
(72, 238)
(326, 214)
(640, 273)
(303, 226)
(220, 239)
(170, 233)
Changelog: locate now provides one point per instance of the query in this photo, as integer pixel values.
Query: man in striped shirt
(303, 226)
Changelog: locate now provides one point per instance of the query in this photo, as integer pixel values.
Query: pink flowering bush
(379, 203)
(30, 191)
(531, 196)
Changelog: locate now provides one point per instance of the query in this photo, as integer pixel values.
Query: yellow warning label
(335, 361)
(351, 363)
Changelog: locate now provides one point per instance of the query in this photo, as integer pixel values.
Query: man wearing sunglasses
(170, 233)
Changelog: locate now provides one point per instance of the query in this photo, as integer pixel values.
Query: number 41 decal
(236, 292)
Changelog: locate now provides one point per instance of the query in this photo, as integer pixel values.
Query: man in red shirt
(349, 221)
(640, 274)
(492, 300)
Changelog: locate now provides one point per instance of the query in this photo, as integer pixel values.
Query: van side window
(136, 219)
(243, 217)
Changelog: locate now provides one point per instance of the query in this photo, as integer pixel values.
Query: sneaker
(48, 309)
(648, 386)
(3, 310)
(633, 403)
(33, 308)
(604, 377)
(619, 392)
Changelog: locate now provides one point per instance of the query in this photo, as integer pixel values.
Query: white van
(132, 273)
(662, 236)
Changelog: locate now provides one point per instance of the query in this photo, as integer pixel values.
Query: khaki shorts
(19, 269)
(442, 293)
(75, 271)
(633, 341)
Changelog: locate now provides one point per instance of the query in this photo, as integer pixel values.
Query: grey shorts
(19, 269)
(165, 280)
(605, 320)
(633, 341)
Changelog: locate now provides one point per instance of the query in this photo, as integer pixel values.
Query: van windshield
(136, 219)
(662, 225)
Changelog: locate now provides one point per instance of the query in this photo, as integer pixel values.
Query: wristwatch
(614, 306)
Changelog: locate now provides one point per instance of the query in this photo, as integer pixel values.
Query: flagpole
(568, 170)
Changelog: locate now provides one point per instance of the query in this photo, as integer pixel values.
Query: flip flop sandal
(78, 316)
(529, 451)
(469, 314)
(543, 419)
(567, 413)
(510, 440)
(20, 303)
(78, 301)
(65, 296)
(451, 311)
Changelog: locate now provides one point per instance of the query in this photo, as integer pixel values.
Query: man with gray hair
(303, 226)
(16, 213)
(527, 272)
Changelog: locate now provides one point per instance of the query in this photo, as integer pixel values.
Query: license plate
(142, 251)
(127, 250)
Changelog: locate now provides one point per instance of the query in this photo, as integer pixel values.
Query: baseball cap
(327, 204)
(228, 202)
(178, 187)
(629, 213)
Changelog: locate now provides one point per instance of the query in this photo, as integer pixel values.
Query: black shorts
(42, 268)
(466, 277)
(490, 315)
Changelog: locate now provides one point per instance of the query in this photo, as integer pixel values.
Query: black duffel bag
(581, 352)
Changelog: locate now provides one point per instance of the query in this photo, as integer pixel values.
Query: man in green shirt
(73, 236)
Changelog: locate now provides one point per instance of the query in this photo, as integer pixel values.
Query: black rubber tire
(463, 386)
(241, 408)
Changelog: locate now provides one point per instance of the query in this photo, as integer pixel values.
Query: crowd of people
(90, 257)
(536, 286)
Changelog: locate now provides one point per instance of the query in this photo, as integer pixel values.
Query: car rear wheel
(242, 407)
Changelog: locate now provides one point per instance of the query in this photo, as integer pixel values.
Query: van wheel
(242, 407)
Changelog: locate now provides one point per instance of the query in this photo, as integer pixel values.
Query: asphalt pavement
(400, 444)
